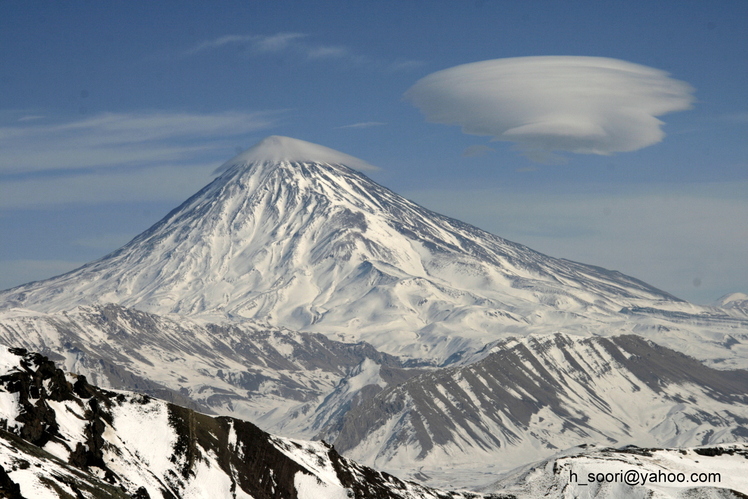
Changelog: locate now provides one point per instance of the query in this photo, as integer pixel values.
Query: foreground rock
(62, 437)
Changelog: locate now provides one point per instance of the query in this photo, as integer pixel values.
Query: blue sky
(112, 113)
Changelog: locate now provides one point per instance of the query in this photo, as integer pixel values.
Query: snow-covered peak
(292, 236)
(732, 300)
(278, 149)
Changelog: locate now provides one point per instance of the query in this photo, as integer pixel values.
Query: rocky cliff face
(62, 437)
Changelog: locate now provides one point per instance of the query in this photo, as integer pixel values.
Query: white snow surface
(184, 355)
(144, 430)
(311, 487)
(597, 472)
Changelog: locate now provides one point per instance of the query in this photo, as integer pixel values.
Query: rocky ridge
(62, 437)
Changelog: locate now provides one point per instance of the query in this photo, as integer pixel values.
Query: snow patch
(154, 448)
(310, 487)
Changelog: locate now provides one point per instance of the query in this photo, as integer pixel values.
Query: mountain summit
(290, 233)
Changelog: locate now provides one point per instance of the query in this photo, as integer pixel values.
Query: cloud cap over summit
(276, 148)
(587, 105)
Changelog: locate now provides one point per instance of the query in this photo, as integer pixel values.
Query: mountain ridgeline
(72, 439)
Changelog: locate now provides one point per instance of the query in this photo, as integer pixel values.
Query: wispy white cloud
(588, 105)
(365, 124)
(31, 117)
(118, 157)
(328, 52)
(301, 45)
(218, 43)
(258, 43)
(112, 139)
(277, 42)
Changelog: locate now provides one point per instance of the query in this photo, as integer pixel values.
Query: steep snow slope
(61, 437)
(531, 397)
(290, 235)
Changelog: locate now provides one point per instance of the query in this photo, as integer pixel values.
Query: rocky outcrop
(76, 440)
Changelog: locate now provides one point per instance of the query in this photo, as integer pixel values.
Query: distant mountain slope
(61, 437)
(290, 235)
(271, 376)
(531, 397)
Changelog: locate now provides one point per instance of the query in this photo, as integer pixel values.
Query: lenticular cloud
(589, 105)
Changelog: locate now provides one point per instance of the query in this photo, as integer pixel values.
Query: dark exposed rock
(8, 488)
(253, 460)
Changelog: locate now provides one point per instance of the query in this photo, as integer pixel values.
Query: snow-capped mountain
(735, 303)
(290, 235)
(295, 292)
(533, 396)
(61, 437)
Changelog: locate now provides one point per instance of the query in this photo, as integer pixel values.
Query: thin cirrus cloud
(585, 105)
(257, 43)
(277, 43)
(122, 139)
(299, 44)
(118, 157)
(364, 124)
(155, 184)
